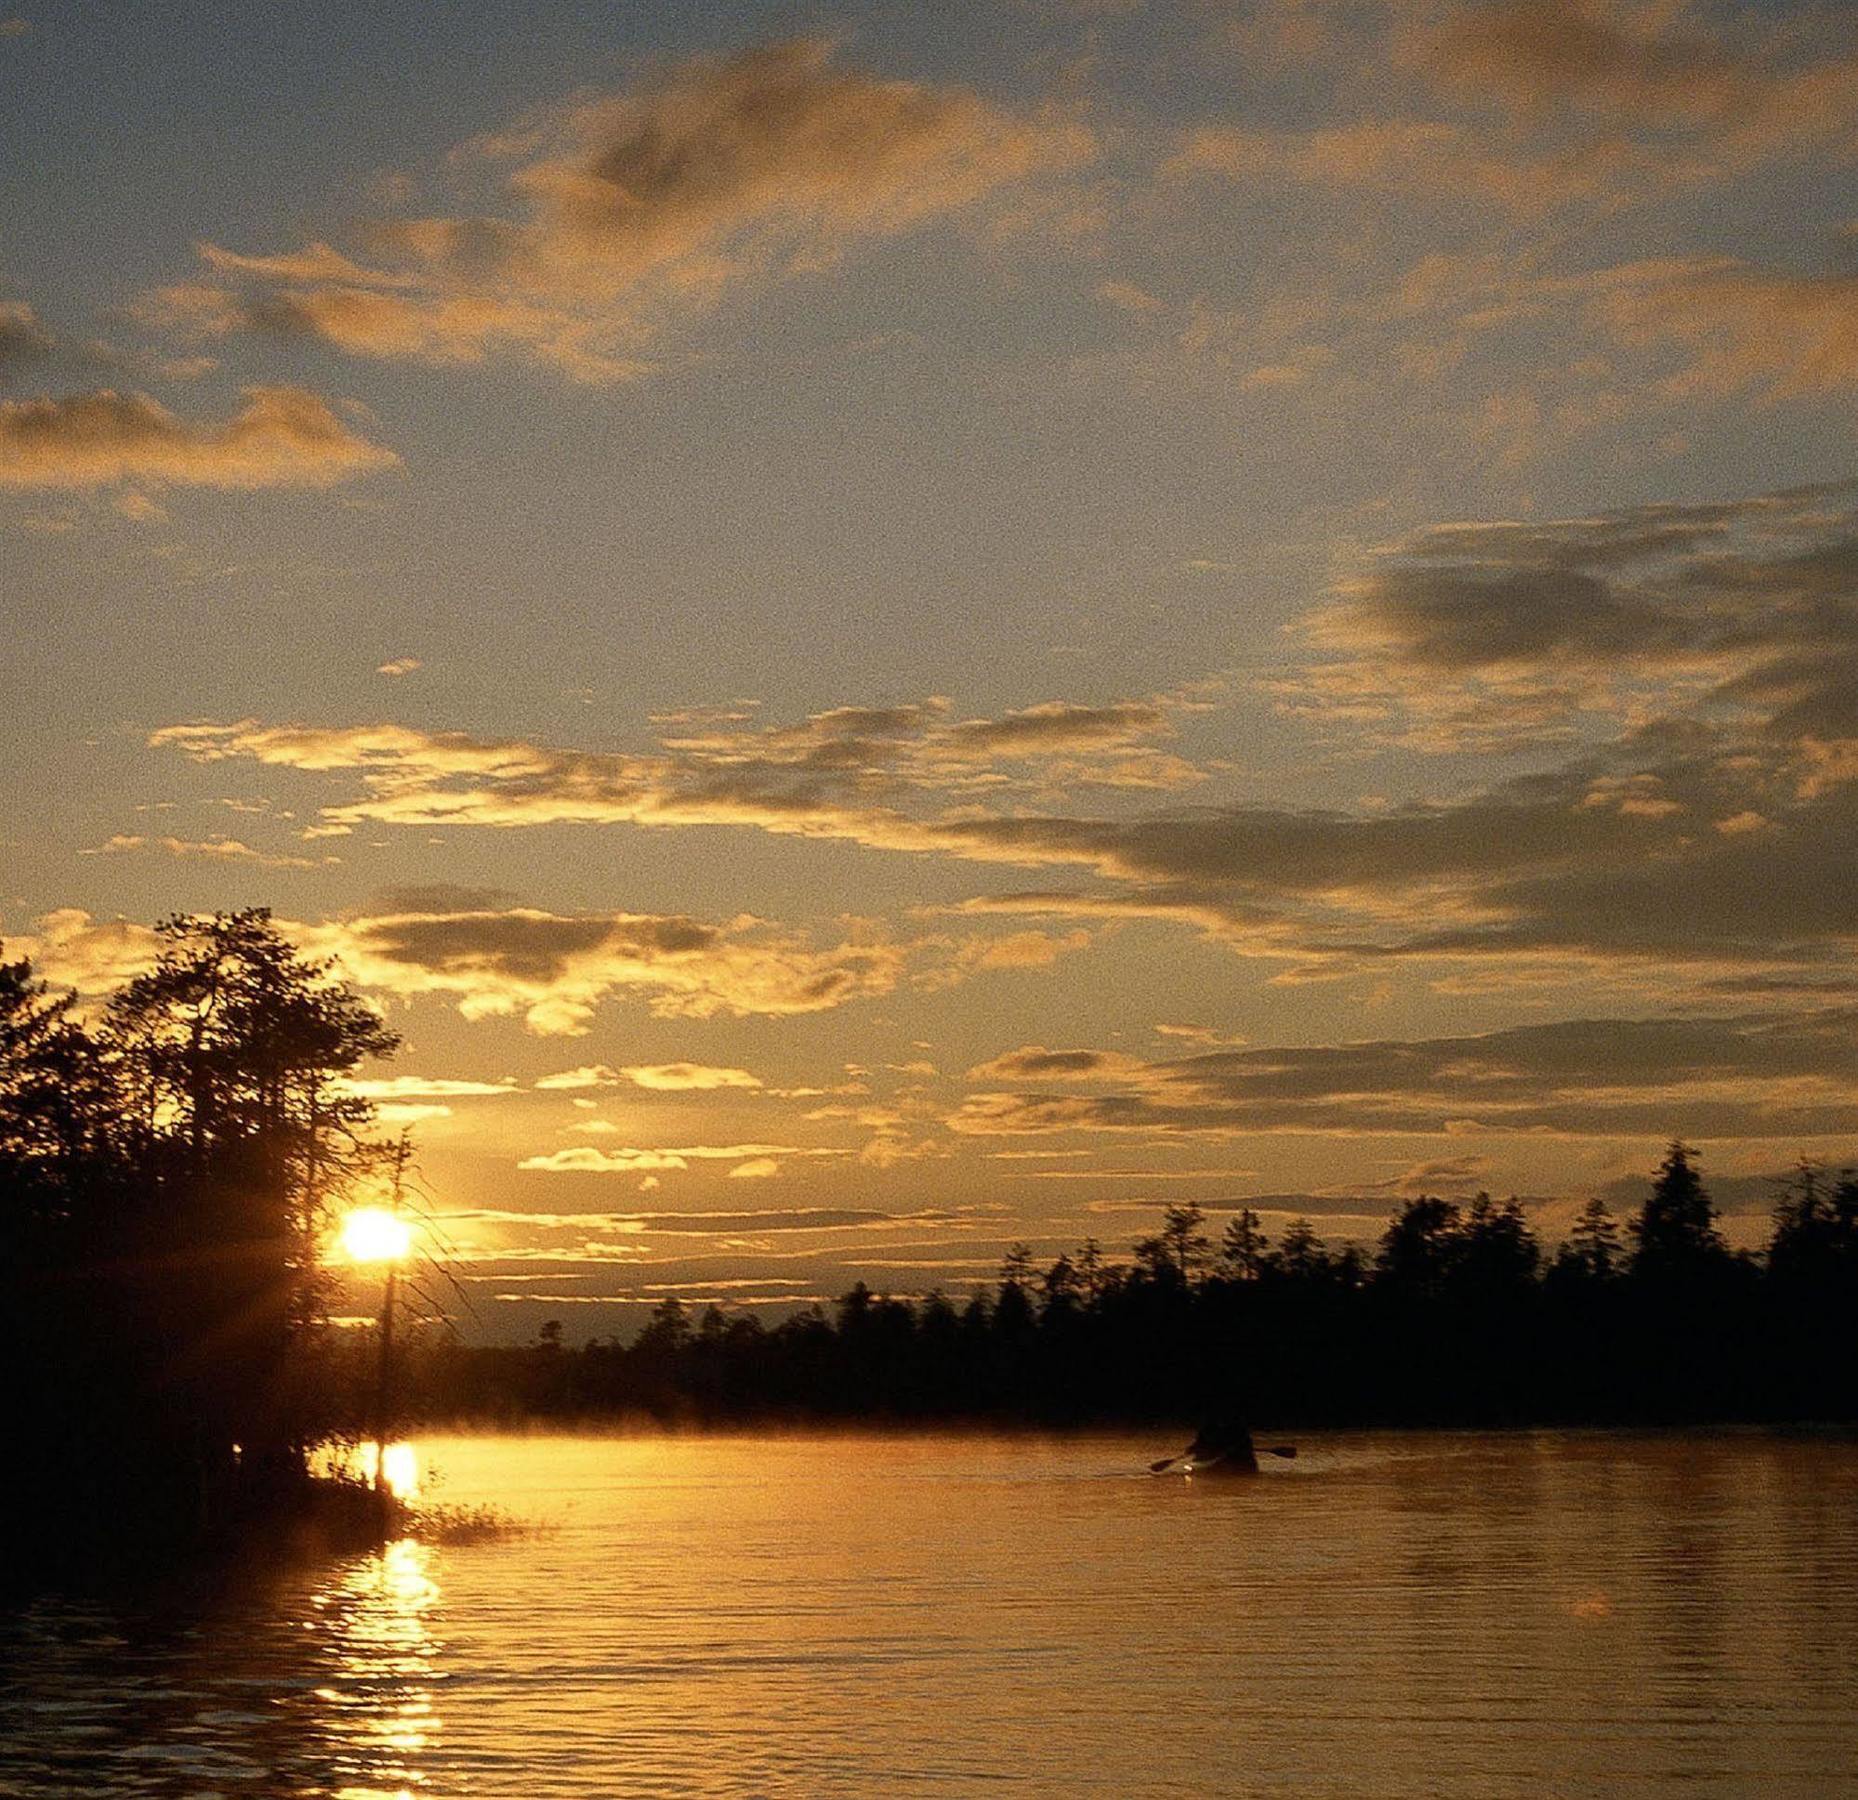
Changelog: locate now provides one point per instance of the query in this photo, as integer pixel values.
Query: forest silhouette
(171, 1163)
(168, 1170)
(1457, 1317)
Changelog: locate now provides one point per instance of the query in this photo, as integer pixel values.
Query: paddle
(1287, 1451)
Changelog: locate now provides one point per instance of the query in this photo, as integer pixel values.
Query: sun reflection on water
(379, 1710)
(1437, 1612)
(399, 1475)
(399, 1468)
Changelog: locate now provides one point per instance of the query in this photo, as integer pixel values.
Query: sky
(885, 630)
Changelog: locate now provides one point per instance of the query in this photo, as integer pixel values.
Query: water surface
(1401, 1615)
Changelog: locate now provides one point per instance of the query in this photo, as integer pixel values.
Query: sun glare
(371, 1234)
(399, 1473)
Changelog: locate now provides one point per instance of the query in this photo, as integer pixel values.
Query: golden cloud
(1423, 158)
(1651, 69)
(1699, 660)
(553, 970)
(70, 949)
(281, 437)
(1748, 327)
(637, 208)
(688, 1077)
(219, 849)
(1735, 1075)
(1033, 1062)
(583, 1159)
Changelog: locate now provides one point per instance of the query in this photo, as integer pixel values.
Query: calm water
(1450, 1615)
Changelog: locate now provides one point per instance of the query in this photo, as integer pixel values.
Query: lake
(1389, 1615)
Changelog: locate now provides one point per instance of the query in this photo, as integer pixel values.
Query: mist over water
(1420, 1614)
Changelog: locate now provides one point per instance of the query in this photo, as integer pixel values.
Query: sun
(371, 1234)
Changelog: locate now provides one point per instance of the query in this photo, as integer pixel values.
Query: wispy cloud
(626, 213)
(1695, 665)
(1746, 1075)
(282, 437)
(584, 1160)
(24, 340)
(685, 1077)
(554, 969)
(1749, 88)
(217, 849)
(426, 1087)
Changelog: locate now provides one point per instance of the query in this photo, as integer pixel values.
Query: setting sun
(371, 1234)
(1008, 846)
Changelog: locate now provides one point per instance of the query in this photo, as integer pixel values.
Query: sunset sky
(890, 628)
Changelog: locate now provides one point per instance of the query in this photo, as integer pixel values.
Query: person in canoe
(1223, 1446)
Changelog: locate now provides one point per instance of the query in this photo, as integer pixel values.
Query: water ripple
(1450, 1615)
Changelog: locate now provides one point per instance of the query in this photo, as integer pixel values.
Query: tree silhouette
(1807, 1236)
(1592, 1251)
(1812, 1289)
(1244, 1251)
(1418, 1248)
(1016, 1267)
(1180, 1251)
(166, 1168)
(1497, 1254)
(1301, 1256)
(165, 1175)
(1454, 1321)
(1675, 1234)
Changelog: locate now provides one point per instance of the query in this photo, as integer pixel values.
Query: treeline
(171, 1161)
(167, 1168)
(1458, 1317)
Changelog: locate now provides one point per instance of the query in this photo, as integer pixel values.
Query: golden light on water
(357, 1462)
(372, 1234)
(399, 1469)
(380, 1705)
